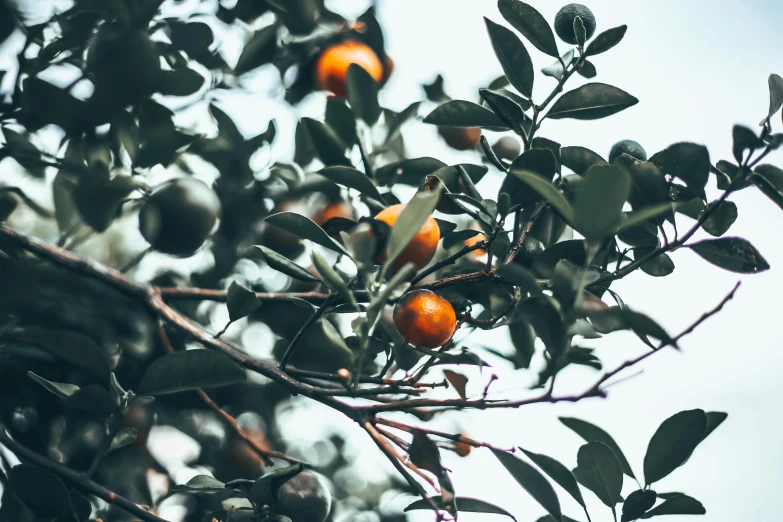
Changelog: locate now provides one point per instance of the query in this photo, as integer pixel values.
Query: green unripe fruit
(629, 147)
(304, 498)
(507, 148)
(530, 249)
(177, 217)
(564, 22)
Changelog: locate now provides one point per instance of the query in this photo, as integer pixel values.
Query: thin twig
(310, 321)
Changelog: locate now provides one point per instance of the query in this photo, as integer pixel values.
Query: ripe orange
(424, 244)
(388, 68)
(335, 209)
(424, 318)
(461, 138)
(331, 69)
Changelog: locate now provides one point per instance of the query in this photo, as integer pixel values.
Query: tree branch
(81, 481)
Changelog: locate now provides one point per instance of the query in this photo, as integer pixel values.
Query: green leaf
(580, 159)
(513, 57)
(202, 484)
(525, 19)
(464, 505)
(591, 102)
(677, 505)
(556, 70)
(93, 399)
(637, 503)
(600, 472)
(721, 219)
(714, 419)
(523, 337)
(72, 347)
(339, 117)
(587, 70)
(617, 318)
(286, 266)
(181, 82)
(775, 96)
(744, 139)
(123, 437)
(557, 472)
(509, 112)
(532, 481)
(648, 184)
(592, 433)
(99, 202)
(659, 266)
(305, 228)
(363, 94)
(80, 506)
(332, 279)
(258, 50)
(396, 121)
(460, 113)
(731, 253)
(579, 31)
(598, 205)
(328, 146)
(40, 490)
(410, 221)
(189, 370)
(673, 443)
(634, 218)
(688, 161)
(548, 191)
(352, 178)
(459, 237)
(61, 389)
(769, 190)
(606, 40)
(772, 174)
(240, 301)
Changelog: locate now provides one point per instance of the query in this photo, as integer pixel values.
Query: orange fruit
(424, 244)
(461, 138)
(331, 210)
(331, 70)
(424, 318)
(388, 68)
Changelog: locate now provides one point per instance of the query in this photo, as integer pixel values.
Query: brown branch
(203, 294)
(530, 223)
(324, 376)
(81, 481)
(447, 261)
(450, 436)
(265, 454)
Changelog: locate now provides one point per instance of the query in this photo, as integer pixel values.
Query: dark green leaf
(579, 31)
(525, 19)
(306, 229)
(182, 82)
(721, 219)
(328, 147)
(352, 178)
(557, 472)
(600, 471)
(547, 190)
(587, 70)
(73, 347)
(775, 96)
(731, 253)
(340, 118)
(523, 337)
(410, 221)
(332, 279)
(519, 276)
(509, 112)
(41, 490)
(688, 161)
(201, 484)
(258, 50)
(673, 443)
(188, 370)
(464, 504)
(409, 172)
(286, 266)
(460, 113)
(772, 174)
(557, 69)
(513, 57)
(598, 205)
(637, 503)
(123, 437)
(714, 419)
(363, 94)
(80, 506)
(763, 184)
(94, 400)
(396, 121)
(659, 266)
(240, 301)
(61, 389)
(459, 237)
(621, 318)
(592, 433)
(532, 481)
(744, 139)
(606, 40)
(579, 159)
(677, 505)
(591, 102)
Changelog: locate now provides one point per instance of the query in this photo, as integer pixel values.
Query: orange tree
(97, 355)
